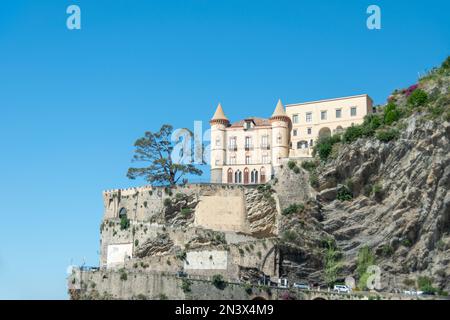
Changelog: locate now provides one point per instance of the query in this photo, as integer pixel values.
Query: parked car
(301, 286)
(342, 289)
(413, 292)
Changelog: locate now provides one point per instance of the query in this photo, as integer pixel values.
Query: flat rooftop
(328, 100)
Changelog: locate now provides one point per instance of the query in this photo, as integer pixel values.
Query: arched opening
(324, 132)
(246, 176)
(238, 176)
(262, 174)
(254, 176)
(302, 144)
(122, 213)
(339, 129)
(230, 176)
(259, 298)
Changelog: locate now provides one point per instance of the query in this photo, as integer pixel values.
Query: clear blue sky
(73, 102)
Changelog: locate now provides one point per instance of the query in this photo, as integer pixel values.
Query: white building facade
(250, 151)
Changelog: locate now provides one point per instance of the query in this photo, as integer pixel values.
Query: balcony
(232, 148)
(265, 146)
(248, 147)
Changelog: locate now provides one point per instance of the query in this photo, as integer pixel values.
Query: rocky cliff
(390, 194)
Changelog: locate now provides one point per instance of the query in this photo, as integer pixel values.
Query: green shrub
(425, 284)
(167, 202)
(293, 208)
(332, 263)
(291, 164)
(289, 236)
(387, 135)
(181, 255)
(309, 165)
(353, 133)
(186, 212)
(344, 194)
(123, 275)
(325, 145)
(124, 222)
(136, 242)
(406, 242)
(296, 170)
(372, 121)
(248, 288)
(387, 250)
(446, 63)
(417, 98)
(186, 285)
(391, 113)
(241, 251)
(314, 180)
(218, 281)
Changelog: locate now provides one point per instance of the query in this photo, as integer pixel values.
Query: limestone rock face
(161, 245)
(261, 212)
(409, 213)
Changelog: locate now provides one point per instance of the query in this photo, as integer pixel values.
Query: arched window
(246, 176)
(254, 176)
(238, 177)
(262, 173)
(230, 176)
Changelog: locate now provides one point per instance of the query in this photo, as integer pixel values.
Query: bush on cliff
(325, 145)
(387, 135)
(218, 281)
(417, 98)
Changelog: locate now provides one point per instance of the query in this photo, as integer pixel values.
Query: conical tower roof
(279, 110)
(279, 113)
(219, 114)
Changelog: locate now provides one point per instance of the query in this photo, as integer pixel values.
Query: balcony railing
(265, 146)
(232, 148)
(248, 147)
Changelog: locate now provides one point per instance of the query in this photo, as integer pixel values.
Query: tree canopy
(157, 150)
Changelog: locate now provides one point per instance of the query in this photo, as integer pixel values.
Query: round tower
(281, 126)
(219, 123)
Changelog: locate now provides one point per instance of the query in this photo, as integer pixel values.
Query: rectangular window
(248, 160)
(323, 115)
(265, 158)
(308, 116)
(248, 142)
(338, 113)
(233, 160)
(294, 132)
(295, 118)
(353, 111)
(309, 131)
(264, 142)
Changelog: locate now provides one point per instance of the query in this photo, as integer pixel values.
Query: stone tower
(281, 126)
(219, 123)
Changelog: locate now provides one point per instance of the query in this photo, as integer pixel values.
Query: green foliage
(181, 255)
(332, 264)
(186, 212)
(294, 208)
(241, 251)
(387, 250)
(344, 194)
(162, 296)
(324, 146)
(314, 180)
(155, 150)
(391, 113)
(291, 164)
(289, 236)
(167, 202)
(136, 242)
(446, 64)
(425, 284)
(406, 242)
(186, 285)
(371, 123)
(296, 170)
(123, 275)
(365, 259)
(248, 288)
(309, 165)
(218, 281)
(417, 98)
(353, 133)
(387, 135)
(124, 222)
